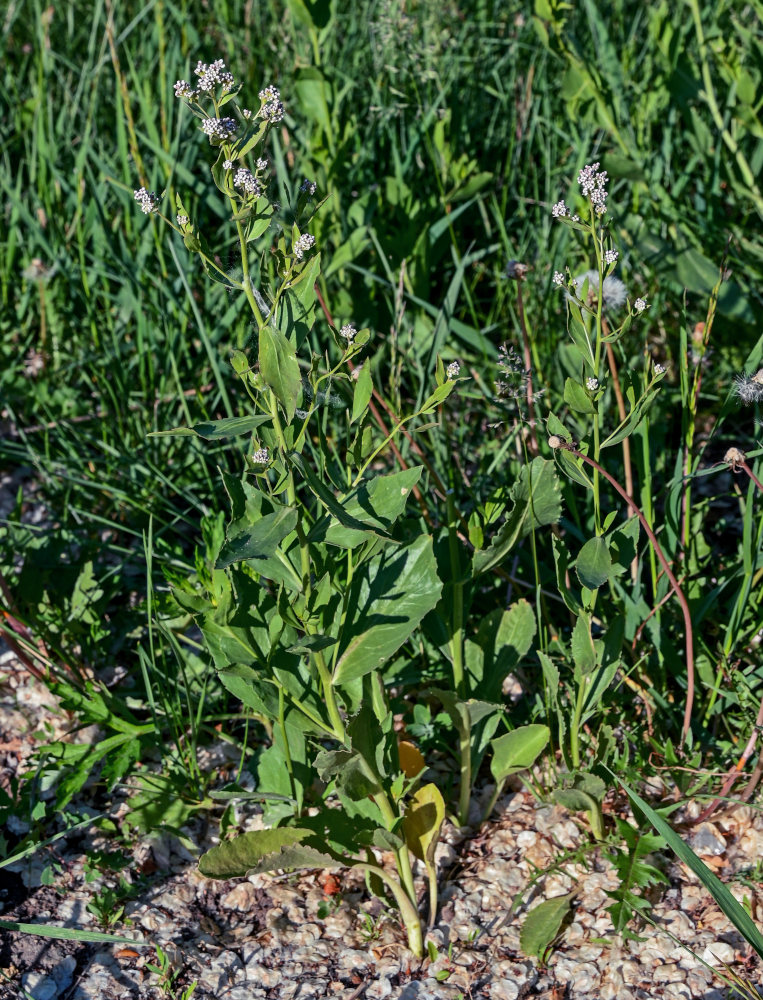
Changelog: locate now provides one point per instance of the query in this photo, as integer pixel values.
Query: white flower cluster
(592, 384)
(610, 256)
(452, 370)
(182, 220)
(659, 369)
(213, 74)
(262, 164)
(246, 180)
(247, 113)
(560, 210)
(272, 108)
(307, 186)
(303, 243)
(261, 456)
(593, 184)
(219, 129)
(558, 278)
(639, 305)
(349, 332)
(148, 201)
(184, 89)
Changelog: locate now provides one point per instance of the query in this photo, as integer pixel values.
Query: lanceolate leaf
(390, 596)
(261, 540)
(265, 851)
(279, 368)
(518, 750)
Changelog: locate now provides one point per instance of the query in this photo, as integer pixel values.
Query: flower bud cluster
(272, 109)
(219, 129)
(593, 184)
(248, 183)
(452, 370)
(148, 200)
(261, 456)
(349, 332)
(304, 243)
(307, 187)
(210, 75)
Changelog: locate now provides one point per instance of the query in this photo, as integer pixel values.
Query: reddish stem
(689, 632)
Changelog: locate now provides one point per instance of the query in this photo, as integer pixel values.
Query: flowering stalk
(556, 442)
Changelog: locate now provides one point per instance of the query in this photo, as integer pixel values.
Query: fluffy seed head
(749, 388)
(614, 291)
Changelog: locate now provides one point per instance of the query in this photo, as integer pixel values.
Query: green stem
(407, 909)
(402, 859)
(432, 879)
(329, 694)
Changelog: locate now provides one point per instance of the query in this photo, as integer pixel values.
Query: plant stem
(407, 909)
(688, 629)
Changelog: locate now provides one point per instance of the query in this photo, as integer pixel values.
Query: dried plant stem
(734, 773)
(743, 464)
(688, 629)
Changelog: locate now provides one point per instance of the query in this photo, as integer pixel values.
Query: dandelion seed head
(614, 291)
(749, 388)
(517, 270)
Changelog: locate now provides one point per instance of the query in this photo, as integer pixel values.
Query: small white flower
(610, 256)
(592, 383)
(558, 278)
(659, 369)
(303, 243)
(148, 200)
(247, 113)
(219, 129)
(593, 184)
(349, 332)
(272, 108)
(262, 164)
(639, 305)
(213, 74)
(182, 220)
(452, 370)
(228, 164)
(246, 180)
(560, 210)
(307, 186)
(261, 456)
(184, 89)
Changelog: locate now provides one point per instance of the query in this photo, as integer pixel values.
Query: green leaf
(330, 502)
(594, 563)
(734, 910)
(364, 388)
(577, 397)
(265, 851)
(518, 750)
(376, 504)
(504, 637)
(214, 430)
(68, 933)
(583, 651)
(390, 595)
(261, 540)
(279, 368)
(353, 775)
(542, 925)
(423, 821)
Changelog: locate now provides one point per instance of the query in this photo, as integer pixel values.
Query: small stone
(504, 989)
(668, 973)
(63, 973)
(708, 840)
(718, 952)
(260, 975)
(241, 898)
(223, 971)
(379, 990)
(39, 986)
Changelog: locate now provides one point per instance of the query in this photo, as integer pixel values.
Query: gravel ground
(304, 935)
